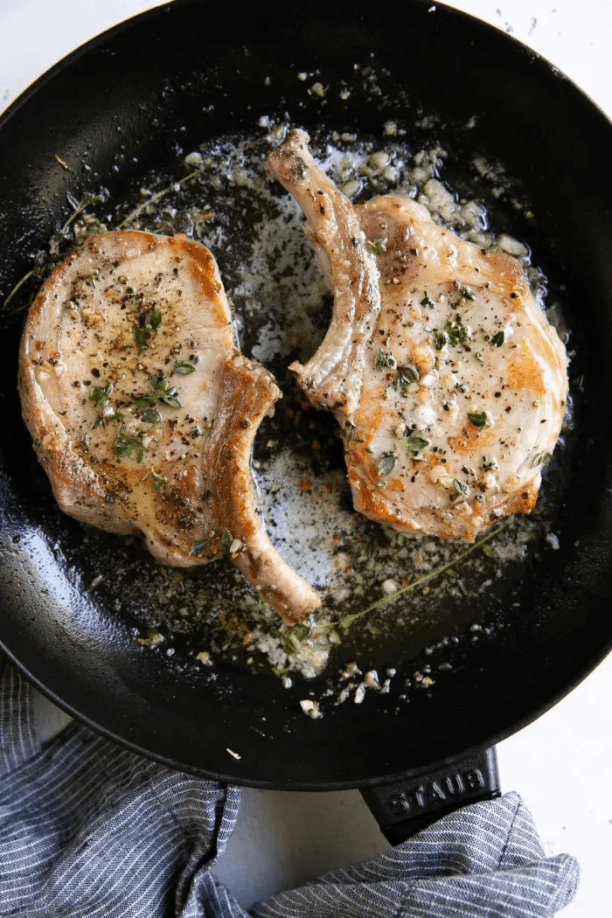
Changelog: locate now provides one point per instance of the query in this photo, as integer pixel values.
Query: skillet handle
(404, 807)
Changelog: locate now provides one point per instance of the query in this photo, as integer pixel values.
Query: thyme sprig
(155, 198)
(148, 324)
(162, 392)
(43, 261)
(348, 620)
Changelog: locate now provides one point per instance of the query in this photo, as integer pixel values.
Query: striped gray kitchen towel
(91, 830)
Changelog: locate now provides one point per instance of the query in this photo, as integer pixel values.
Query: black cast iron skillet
(140, 96)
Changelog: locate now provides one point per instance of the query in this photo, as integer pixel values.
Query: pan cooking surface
(189, 667)
(220, 194)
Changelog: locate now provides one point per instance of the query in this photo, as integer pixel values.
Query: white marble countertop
(560, 763)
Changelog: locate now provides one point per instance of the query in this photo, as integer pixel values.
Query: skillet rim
(22, 101)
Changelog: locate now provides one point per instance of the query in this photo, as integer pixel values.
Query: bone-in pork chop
(143, 412)
(442, 369)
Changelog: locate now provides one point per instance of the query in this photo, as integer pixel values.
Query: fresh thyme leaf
(141, 336)
(143, 401)
(541, 459)
(159, 383)
(478, 420)
(439, 340)
(198, 546)
(156, 479)
(147, 322)
(460, 489)
(101, 394)
(379, 246)
(457, 332)
(405, 377)
(386, 463)
(226, 540)
(151, 416)
(163, 392)
(290, 644)
(127, 446)
(185, 367)
(498, 339)
(171, 400)
(427, 301)
(489, 464)
(385, 360)
(301, 632)
(416, 444)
